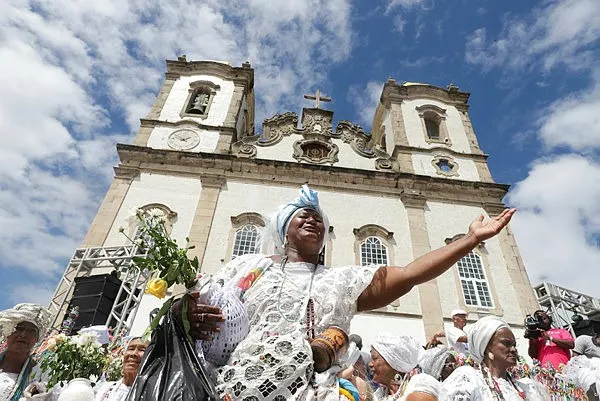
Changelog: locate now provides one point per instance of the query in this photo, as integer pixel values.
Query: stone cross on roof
(317, 98)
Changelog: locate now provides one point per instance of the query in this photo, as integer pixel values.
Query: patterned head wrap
(480, 334)
(280, 221)
(433, 360)
(32, 313)
(402, 353)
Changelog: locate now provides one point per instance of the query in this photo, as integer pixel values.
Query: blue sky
(77, 76)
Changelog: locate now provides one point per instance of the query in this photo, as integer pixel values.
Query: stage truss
(91, 261)
(563, 303)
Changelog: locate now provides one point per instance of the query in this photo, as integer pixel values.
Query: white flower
(84, 339)
(155, 212)
(52, 344)
(93, 378)
(139, 242)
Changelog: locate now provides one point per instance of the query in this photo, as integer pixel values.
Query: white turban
(32, 313)
(433, 360)
(402, 353)
(280, 220)
(480, 334)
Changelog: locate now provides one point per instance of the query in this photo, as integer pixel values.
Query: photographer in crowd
(547, 344)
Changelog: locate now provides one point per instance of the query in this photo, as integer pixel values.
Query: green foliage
(164, 255)
(71, 358)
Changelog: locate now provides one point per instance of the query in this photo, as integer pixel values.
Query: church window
(245, 235)
(156, 213)
(200, 98)
(199, 102)
(433, 121)
(475, 287)
(246, 241)
(373, 251)
(445, 165)
(433, 128)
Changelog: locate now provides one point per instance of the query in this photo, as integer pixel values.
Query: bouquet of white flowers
(68, 358)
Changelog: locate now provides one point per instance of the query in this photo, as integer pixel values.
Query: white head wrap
(280, 221)
(101, 333)
(402, 353)
(32, 313)
(480, 334)
(433, 360)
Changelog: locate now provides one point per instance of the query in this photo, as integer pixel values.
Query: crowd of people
(285, 301)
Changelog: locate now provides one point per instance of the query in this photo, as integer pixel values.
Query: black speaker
(95, 296)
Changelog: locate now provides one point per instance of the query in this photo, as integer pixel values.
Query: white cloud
(399, 23)
(558, 223)
(33, 293)
(558, 33)
(408, 4)
(365, 101)
(573, 121)
(78, 75)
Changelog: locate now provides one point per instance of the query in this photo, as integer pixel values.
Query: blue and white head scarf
(280, 220)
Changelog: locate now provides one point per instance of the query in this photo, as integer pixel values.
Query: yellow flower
(157, 287)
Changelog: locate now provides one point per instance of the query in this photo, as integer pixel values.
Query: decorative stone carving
(277, 127)
(245, 147)
(355, 135)
(317, 121)
(316, 151)
(445, 165)
(384, 164)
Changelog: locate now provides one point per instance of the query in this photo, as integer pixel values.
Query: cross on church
(317, 98)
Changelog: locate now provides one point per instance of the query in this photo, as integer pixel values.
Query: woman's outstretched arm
(391, 282)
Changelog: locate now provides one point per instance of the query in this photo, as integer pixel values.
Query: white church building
(413, 184)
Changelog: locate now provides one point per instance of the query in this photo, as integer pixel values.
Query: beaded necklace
(494, 387)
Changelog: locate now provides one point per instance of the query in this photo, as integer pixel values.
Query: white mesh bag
(233, 330)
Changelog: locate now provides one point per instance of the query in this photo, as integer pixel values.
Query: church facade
(413, 184)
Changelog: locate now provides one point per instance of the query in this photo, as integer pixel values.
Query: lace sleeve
(462, 385)
(356, 279)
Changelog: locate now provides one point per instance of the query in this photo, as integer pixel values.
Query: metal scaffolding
(91, 261)
(563, 303)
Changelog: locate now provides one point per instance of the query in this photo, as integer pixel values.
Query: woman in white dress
(392, 360)
(22, 326)
(438, 362)
(493, 346)
(132, 358)
(291, 296)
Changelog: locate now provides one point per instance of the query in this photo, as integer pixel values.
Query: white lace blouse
(468, 384)
(274, 362)
(7, 384)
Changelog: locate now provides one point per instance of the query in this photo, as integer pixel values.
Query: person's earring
(490, 356)
(398, 377)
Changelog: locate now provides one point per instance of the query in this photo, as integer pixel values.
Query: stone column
(110, 206)
(400, 142)
(481, 165)
(429, 296)
(141, 139)
(514, 264)
(203, 218)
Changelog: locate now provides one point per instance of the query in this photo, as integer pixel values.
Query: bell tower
(428, 131)
(203, 106)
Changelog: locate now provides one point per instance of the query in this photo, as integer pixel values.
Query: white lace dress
(7, 384)
(468, 384)
(274, 362)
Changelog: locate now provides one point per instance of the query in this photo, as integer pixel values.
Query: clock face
(183, 139)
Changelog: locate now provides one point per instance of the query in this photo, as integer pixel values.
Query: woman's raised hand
(483, 230)
(203, 318)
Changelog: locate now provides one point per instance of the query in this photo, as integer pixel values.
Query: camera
(532, 326)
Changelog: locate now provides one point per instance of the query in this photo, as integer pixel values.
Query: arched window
(373, 252)
(199, 100)
(475, 287)
(155, 213)
(246, 241)
(433, 128)
(245, 235)
(433, 120)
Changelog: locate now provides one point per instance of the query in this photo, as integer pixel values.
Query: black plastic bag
(170, 369)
